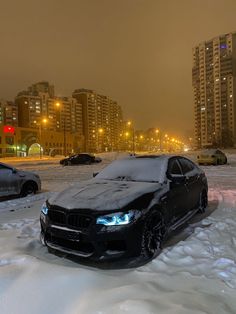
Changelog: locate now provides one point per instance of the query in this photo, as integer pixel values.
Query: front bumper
(98, 242)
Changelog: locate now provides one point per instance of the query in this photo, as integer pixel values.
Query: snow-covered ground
(195, 273)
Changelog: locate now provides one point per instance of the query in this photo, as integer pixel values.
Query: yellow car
(212, 157)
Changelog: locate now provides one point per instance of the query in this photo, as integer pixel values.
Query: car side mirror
(177, 179)
(95, 173)
(14, 170)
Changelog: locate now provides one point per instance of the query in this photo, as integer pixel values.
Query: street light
(40, 136)
(100, 133)
(129, 123)
(59, 105)
(158, 132)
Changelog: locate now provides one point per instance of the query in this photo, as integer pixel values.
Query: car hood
(97, 194)
(27, 174)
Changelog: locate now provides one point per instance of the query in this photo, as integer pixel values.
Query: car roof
(162, 156)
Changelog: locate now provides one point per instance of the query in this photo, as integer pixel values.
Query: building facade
(39, 108)
(214, 88)
(102, 120)
(87, 121)
(17, 141)
(8, 113)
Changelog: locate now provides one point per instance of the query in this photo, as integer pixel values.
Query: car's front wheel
(152, 236)
(203, 201)
(28, 188)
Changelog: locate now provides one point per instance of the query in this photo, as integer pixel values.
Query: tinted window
(174, 167)
(186, 165)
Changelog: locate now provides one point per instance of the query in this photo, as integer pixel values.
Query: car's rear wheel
(152, 236)
(203, 201)
(29, 188)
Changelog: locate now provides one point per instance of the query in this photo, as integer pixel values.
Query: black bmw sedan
(126, 210)
(80, 159)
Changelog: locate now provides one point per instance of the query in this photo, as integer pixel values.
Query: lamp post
(129, 123)
(100, 133)
(126, 141)
(40, 137)
(59, 105)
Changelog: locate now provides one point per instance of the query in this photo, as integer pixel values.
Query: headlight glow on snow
(44, 209)
(115, 219)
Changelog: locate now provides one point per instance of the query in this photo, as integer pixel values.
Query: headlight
(115, 219)
(44, 209)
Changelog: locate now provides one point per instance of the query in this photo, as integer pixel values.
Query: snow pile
(194, 274)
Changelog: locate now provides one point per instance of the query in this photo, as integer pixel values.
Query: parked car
(79, 159)
(18, 182)
(212, 157)
(126, 210)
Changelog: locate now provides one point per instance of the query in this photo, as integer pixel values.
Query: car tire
(152, 236)
(226, 160)
(65, 163)
(28, 188)
(203, 201)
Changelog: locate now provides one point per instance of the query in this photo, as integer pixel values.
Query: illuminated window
(9, 140)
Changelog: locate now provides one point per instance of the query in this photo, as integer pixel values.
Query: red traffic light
(8, 129)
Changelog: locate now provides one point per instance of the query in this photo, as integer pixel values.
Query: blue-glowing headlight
(115, 219)
(44, 209)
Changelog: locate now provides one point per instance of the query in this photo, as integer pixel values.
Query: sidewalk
(30, 159)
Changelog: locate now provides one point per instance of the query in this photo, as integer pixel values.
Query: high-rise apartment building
(102, 120)
(214, 87)
(39, 101)
(8, 113)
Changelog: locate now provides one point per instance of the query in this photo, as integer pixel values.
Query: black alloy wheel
(28, 188)
(203, 201)
(152, 236)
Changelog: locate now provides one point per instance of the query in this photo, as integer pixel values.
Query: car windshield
(135, 169)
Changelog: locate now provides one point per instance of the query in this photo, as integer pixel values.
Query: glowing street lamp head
(129, 123)
(58, 104)
(44, 120)
(126, 133)
(100, 130)
(157, 131)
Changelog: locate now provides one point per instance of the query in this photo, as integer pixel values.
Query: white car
(17, 182)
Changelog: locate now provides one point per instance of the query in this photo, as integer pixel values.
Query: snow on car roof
(140, 168)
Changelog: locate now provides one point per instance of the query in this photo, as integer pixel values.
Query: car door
(9, 181)
(193, 184)
(86, 159)
(75, 159)
(178, 193)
